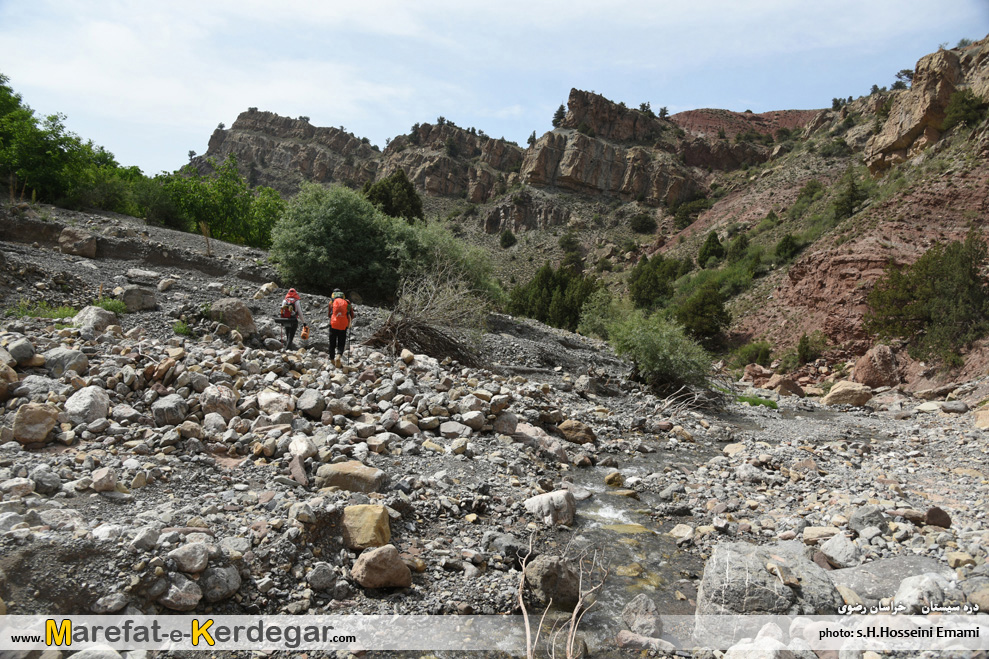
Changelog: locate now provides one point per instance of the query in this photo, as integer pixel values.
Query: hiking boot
(290, 347)
(337, 363)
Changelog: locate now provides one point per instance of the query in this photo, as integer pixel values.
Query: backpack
(340, 314)
(288, 309)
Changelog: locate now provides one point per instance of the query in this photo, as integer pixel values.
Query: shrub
(336, 238)
(182, 328)
(964, 106)
(687, 212)
(756, 352)
(940, 304)
(786, 248)
(849, 197)
(507, 239)
(811, 192)
(569, 242)
(810, 348)
(112, 305)
(601, 309)
(755, 401)
(604, 264)
(711, 250)
(395, 196)
(737, 248)
(663, 355)
(585, 129)
(835, 148)
(703, 314)
(643, 223)
(554, 297)
(651, 280)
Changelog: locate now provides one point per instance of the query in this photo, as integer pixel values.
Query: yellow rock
(365, 525)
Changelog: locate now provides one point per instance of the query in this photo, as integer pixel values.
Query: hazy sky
(151, 80)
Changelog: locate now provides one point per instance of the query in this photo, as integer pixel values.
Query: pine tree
(559, 115)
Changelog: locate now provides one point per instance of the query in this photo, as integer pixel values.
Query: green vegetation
(111, 304)
(182, 328)
(643, 223)
(811, 192)
(756, 400)
(787, 247)
(940, 304)
(601, 309)
(964, 107)
(396, 196)
(507, 239)
(40, 309)
(554, 297)
(650, 282)
(711, 252)
(663, 355)
(559, 115)
(756, 352)
(686, 213)
(223, 206)
(703, 314)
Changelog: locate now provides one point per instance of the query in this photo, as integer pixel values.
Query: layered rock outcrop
(916, 116)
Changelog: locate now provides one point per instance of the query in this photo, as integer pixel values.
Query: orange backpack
(339, 314)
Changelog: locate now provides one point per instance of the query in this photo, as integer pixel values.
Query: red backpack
(340, 314)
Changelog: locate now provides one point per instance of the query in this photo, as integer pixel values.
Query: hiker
(341, 312)
(291, 314)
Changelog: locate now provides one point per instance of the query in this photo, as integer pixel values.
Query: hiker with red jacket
(290, 315)
(341, 312)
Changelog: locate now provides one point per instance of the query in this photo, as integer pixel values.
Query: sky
(150, 81)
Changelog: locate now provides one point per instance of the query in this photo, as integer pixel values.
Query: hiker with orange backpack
(341, 313)
(290, 315)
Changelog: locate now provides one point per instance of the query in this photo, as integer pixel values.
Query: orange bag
(305, 333)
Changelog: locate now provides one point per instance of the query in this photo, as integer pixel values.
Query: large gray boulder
(169, 410)
(880, 579)
(741, 578)
(87, 405)
(220, 400)
(234, 313)
(93, 320)
(138, 298)
(61, 359)
(553, 578)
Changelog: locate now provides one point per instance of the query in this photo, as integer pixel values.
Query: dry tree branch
(530, 643)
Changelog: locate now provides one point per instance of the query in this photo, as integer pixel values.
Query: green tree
(335, 237)
(786, 248)
(532, 139)
(703, 314)
(507, 239)
(553, 296)
(223, 206)
(650, 282)
(395, 195)
(940, 304)
(663, 112)
(738, 248)
(711, 249)
(905, 75)
(849, 197)
(559, 115)
(643, 223)
(964, 106)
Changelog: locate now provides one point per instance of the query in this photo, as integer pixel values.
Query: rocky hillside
(606, 163)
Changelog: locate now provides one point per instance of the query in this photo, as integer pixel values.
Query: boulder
(642, 616)
(138, 298)
(352, 476)
(93, 320)
(381, 567)
(553, 578)
(235, 314)
(219, 399)
(183, 594)
(33, 422)
(847, 392)
(365, 526)
(273, 402)
(558, 507)
(77, 242)
(880, 579)
(841, 552)
(87, 405)
(866, 516)
(191, 558)
(311, 403)
(577, 432)
(21, 350)
(877, 368)
(170, 410)
(59, 360)
(8, 378)
(219, 583)
(505, 423)
(741, 578)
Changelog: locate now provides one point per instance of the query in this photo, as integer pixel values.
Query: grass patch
(40, 310)
(755, 401)
(182, 328)
(111, 305)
